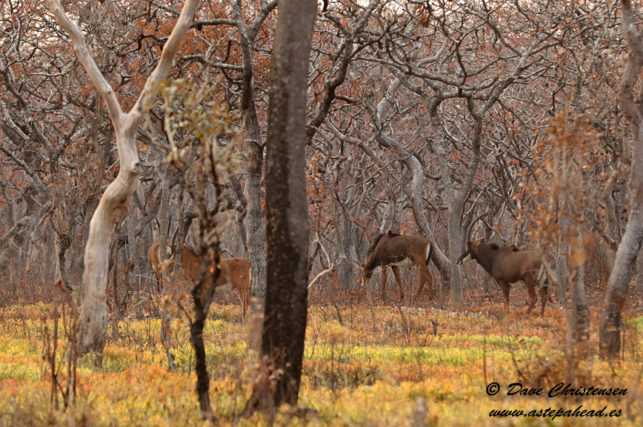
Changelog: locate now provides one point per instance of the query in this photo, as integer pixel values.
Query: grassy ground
(384, 366)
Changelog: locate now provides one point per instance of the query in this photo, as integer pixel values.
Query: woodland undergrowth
(383, 365)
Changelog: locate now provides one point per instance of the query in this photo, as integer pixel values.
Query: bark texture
(284, 324)
(630, 245)
(255, 227)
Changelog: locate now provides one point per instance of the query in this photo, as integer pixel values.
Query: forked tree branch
(82, 52)
(93, 315)
(166, 61)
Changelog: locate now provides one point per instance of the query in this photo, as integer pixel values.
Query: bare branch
(82, 52)
(633, 67)
(166, 61)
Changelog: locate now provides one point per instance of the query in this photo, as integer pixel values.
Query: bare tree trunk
(164, 210)
(639, 275)
(284, 324)
(93, 314)
(417, 181)
(579, 322)
(628, 249)
(455, 205)
(201, 308)
(254, 220)
(561, 272)
(256, 227)
(621, 276)
(164, 222)
(345, 252)
(456, 246)
(63, 243)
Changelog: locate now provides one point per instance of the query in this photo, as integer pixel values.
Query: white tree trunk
(630, 246)
(93, 314)
(625, 262)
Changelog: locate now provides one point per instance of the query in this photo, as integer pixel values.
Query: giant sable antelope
(399, 250)
(508, 265)
(235, 272)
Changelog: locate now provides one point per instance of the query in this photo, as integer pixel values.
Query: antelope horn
(470, 228)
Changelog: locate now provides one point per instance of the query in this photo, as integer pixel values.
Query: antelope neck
(484, 258)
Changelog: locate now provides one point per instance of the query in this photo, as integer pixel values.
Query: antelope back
(395, 248)
(191, 264)
(234, 271)
(505, 262)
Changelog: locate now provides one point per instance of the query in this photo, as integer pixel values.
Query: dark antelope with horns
(396, 250)
(508, 265)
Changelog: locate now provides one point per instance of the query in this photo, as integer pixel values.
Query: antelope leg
(531, 288)
(384, 278)
(543, 298)
(505, 290)
(425, 276)
(396, 273)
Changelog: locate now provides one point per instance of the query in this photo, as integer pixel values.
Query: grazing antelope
(235, 272)
(397, 250)
(508, 265)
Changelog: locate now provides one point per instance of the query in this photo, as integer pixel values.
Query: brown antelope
(398, 250)
(508, 265)
(235, 272)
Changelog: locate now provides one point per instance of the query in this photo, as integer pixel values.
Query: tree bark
(630, 245)
(255, 226)
(164, 221)
(578, 322)
(93, 314)
(285, 312)
(254, 220)
(201, 308)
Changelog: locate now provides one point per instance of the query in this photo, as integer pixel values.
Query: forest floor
(381, 366)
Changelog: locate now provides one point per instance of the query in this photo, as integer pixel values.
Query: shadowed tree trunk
(93, 315)
(630, 246)
(255, 228)
(284, 323)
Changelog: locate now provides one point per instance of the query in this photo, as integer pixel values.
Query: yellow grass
(379, 368)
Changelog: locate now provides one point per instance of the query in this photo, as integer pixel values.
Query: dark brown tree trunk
(201, 309)
(284, 323)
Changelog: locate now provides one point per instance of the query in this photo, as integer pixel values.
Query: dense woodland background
(423, 118)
